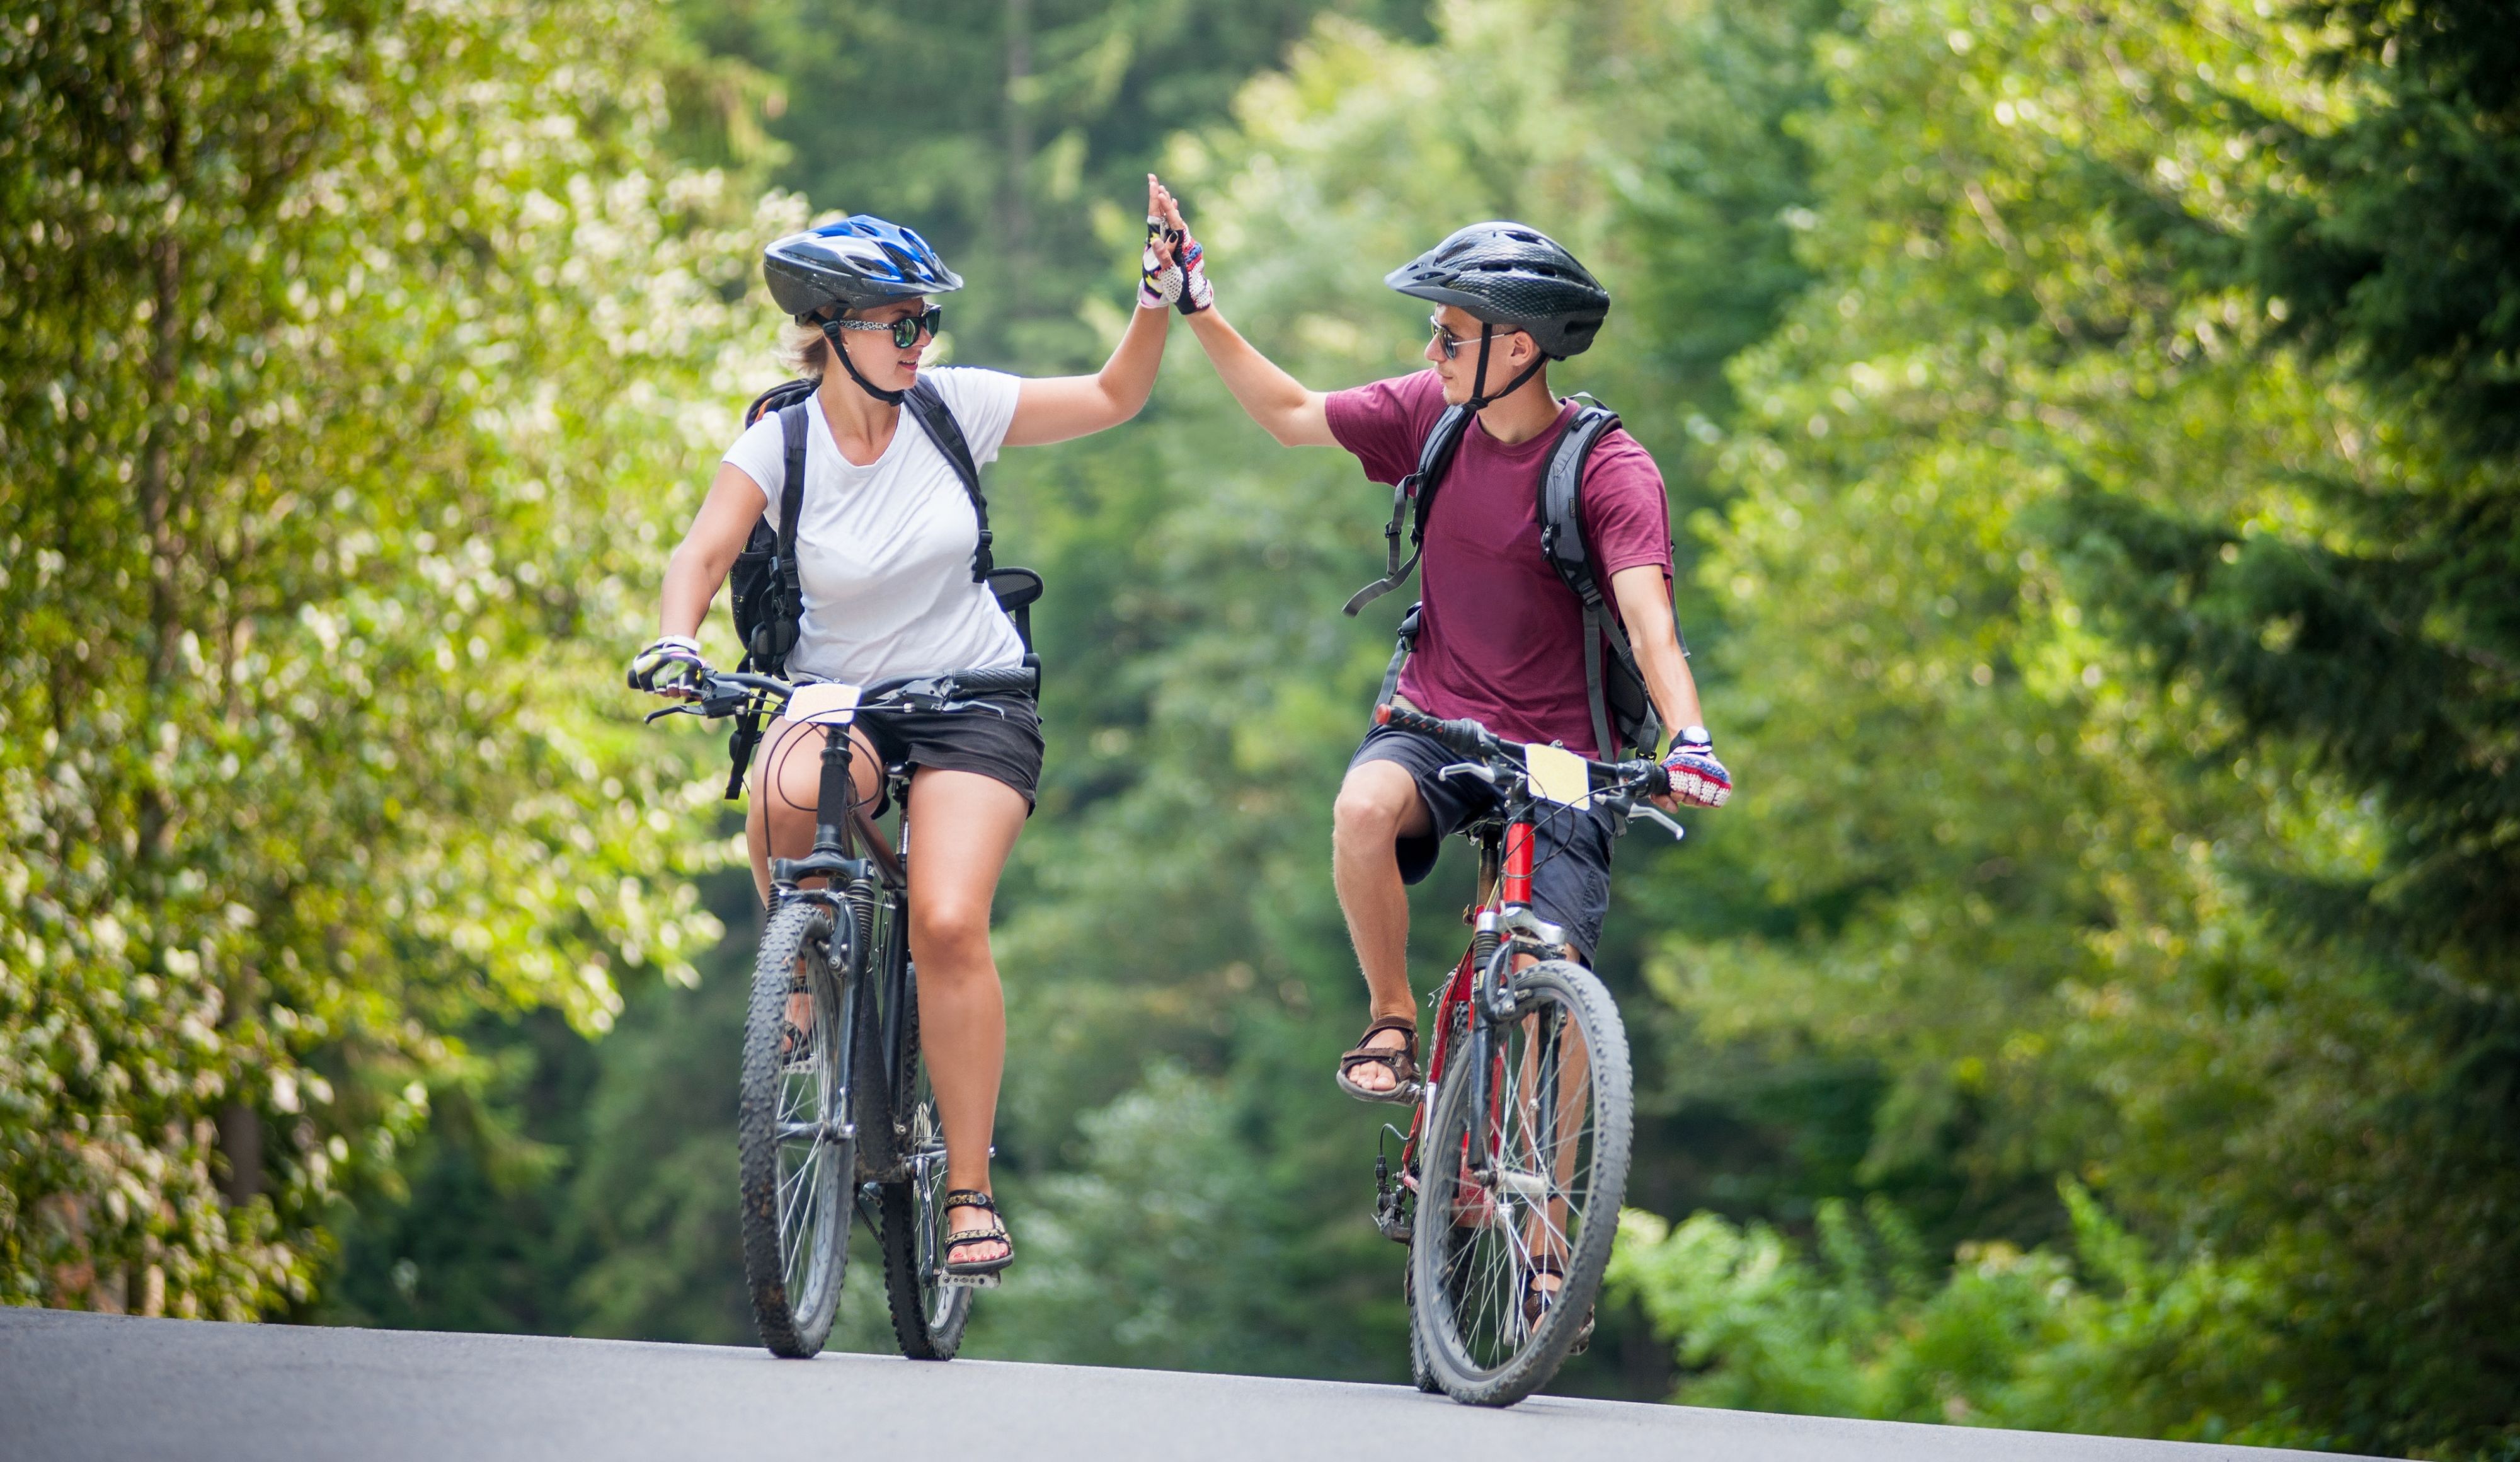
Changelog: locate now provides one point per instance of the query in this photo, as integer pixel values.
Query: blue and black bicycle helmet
(860, 261)
(1514, 276)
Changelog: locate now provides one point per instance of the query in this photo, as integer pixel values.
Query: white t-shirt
(883, 552)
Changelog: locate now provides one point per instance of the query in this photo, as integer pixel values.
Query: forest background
(2091, 432)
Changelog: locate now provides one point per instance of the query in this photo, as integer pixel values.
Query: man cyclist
(1499, 638)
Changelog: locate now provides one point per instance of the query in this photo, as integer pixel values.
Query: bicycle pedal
(968, 1281)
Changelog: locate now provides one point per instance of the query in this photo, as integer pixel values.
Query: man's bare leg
(1377, 803)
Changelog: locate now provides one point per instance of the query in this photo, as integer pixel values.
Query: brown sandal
(1402, 1064)
(1536, 1302)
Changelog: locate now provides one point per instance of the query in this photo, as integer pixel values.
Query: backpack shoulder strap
(936, 419)
(791, 600)
(1561, 541)
(792, 426)
(1562, 498)
(1410, 502)
(785, 394)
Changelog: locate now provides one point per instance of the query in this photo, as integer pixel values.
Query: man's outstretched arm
(1284, 406)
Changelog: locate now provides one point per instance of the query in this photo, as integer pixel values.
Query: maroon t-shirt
(1502, 639)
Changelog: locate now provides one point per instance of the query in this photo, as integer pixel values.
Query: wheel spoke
(1527, 1211)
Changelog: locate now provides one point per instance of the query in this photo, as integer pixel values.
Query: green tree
(1009, 131)
(2042, 485)
(345, 351)
(2373, 634)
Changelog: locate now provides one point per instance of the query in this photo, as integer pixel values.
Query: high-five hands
(1171, 270)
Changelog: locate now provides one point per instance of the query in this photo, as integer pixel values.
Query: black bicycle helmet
(855, 263)
(1516, 276)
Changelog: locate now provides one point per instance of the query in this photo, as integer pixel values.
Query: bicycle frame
(872, 891)
(1506, 934)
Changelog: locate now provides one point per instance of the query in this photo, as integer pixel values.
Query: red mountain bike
(1516, 1158)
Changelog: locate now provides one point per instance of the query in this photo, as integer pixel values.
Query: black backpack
(1614, 689)
(766, 598)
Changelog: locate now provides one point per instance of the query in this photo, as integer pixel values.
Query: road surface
(78, 1386)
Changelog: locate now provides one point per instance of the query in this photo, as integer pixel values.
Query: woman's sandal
(974, 1197)
(1536, 1302)
(795, 1047)
(1402, 1063)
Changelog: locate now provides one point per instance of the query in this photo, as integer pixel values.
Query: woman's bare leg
(962, 827)
(786, 784)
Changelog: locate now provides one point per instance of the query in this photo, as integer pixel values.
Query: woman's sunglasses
(905, 330)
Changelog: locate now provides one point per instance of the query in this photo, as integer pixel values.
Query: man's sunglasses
(905, 330)
(1452, 343)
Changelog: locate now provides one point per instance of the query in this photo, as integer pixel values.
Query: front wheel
(1521, 1189)
(795, 1144)
(927, 1313)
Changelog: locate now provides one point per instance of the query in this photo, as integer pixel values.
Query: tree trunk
(1016, 210)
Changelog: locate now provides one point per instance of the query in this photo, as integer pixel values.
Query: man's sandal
(994, 1233)
(1536, 1302)
(1401, 1063)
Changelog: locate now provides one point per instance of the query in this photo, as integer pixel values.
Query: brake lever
(653, 716)
(1649, 811)
(1484, 773)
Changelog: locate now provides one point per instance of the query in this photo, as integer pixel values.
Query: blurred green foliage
(344, 359)
(2090, 430)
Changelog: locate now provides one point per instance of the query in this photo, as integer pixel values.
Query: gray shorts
(1004, 745)
(1570, 854)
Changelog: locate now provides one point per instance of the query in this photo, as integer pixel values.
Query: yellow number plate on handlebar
(824, 704)
(1557, 774)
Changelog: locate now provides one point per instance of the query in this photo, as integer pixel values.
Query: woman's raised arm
(1055, 408)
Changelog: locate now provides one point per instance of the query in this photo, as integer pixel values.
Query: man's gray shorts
(1570, 855)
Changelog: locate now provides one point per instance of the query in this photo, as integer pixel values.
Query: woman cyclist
(885, 547)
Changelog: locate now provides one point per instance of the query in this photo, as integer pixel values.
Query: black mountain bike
(1516, 1157)
(834, 1104)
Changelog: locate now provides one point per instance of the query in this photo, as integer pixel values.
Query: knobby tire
(927, 1316)
(1550, 1186)
(795, 1190)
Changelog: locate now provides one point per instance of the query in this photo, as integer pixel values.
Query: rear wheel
(927, 1314)
(1527, 1182)
(795, 1143)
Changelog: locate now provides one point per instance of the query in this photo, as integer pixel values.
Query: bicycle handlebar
(725, 692)
(1467, 737)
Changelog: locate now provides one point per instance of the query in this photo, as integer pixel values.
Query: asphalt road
(76, 1386)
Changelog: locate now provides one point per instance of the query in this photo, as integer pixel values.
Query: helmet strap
(1479, 382)
(831, 332)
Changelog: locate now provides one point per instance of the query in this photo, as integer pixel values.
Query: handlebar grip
(1025, 678)
(1466, 736)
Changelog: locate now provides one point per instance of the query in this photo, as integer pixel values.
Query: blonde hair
(803, 351)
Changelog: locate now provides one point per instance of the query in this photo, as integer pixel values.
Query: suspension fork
(897, 976)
